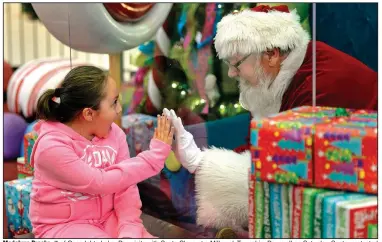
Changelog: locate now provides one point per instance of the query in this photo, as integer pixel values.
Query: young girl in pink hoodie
(85, 183)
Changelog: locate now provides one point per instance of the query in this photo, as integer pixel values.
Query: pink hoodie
(77, 180)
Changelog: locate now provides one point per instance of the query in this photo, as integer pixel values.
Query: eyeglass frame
(236, 66)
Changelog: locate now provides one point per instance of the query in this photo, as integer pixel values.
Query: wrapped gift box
(17, 197)
(289, 211)
(372, 231)
(252, 207)
(365, 114)
(346, 154)
(267, 228)
(259, 211)
(329, 214)
(318, 210)
(24, 168)
(281, 146)
(354, 217)
(139, 129)
(279, 210)
(292, 146)
(302, 207)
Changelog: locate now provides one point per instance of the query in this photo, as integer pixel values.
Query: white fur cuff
(222, 189)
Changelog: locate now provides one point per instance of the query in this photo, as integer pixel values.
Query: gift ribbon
(183, 19)
(218, 12)
(139, 92)
(147, 48)
(191, 26)
(183, 54)
(204, 53)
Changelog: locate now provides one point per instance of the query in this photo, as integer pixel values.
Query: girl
(84, 180)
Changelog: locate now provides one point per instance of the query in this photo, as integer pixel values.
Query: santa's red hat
(259, 29)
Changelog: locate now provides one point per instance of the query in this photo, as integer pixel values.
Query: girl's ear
(88, 114)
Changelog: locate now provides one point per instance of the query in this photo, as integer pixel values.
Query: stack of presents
(314, 174)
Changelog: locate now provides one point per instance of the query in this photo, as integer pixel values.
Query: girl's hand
(163, 131)
(186, 150)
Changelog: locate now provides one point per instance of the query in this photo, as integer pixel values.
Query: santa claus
(271, 56)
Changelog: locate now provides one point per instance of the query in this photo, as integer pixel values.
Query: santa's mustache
(257, 98)
(263, 85)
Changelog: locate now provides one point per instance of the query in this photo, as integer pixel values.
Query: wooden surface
(115, 72)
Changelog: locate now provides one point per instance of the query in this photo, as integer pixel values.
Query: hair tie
(56, 96)
(57, 92)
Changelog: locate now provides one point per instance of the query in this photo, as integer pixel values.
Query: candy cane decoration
(162, 48)
(17, 81)
(31, 80)
(204, 53)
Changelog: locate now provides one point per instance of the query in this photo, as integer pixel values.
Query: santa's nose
(232, 72)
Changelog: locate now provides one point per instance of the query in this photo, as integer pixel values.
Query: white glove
(186, 151)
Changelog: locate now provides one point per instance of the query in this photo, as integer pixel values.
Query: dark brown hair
(83, 87)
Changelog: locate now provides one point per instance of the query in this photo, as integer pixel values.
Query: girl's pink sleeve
(58, 165)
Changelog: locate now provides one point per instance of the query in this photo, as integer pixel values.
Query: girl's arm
(58, 165)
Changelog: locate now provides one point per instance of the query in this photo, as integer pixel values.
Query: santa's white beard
(265, 98)
(261, 100)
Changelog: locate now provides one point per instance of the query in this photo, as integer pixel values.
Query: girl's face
(110, 109)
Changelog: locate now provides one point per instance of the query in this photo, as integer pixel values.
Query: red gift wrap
(346, 155)
(318, 146)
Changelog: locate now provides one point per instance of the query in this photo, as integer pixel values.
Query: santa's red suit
(221, 176)
(341, 81)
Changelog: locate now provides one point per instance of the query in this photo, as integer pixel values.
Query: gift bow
(267, 8)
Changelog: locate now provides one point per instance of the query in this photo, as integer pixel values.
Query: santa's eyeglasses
(236, 66)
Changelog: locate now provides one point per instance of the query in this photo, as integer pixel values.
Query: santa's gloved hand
(186, 151)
